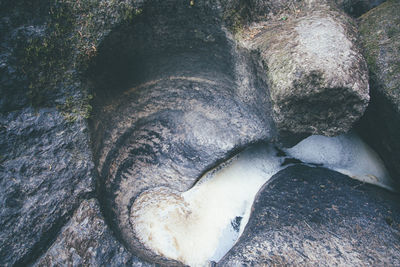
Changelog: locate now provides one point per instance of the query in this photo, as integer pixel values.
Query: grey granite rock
(86, 240)
(316, 217)
(45, 172)
(174, 95)
(317, 77)
(380, 34)
(46, 166)
(358, 7)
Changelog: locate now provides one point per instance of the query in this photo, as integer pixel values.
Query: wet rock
(87, 241)
(317, 77)
(380, 33)
(186, 107)
(45, 171)
(317, 217)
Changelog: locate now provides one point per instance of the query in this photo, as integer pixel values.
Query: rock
(238, 14)
(86, 240)
(317, 78)
(317, 217)
(45, 158)
(380, 34)
(185, 107)
(356, 8)
(174, 96)
(45, 172)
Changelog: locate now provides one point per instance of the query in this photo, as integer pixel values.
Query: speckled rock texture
(46, 166)
(86, 240)
(316, 217)
(380, 34)
(173, 93)
(317, 77)
(45, 172)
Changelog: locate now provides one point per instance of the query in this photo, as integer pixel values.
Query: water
(203, 223)
(346, 154)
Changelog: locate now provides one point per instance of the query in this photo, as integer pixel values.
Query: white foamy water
(346, 154)
(203, 223)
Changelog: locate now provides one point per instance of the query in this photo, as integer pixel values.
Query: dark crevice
(50, 236)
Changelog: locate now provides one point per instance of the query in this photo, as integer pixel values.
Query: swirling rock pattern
(175, 96)
(190, 111)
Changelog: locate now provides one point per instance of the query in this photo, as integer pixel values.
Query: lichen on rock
(317, 77)
(380, 36)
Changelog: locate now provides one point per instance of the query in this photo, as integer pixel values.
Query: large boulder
(317, 77)
(191, 101)
(309, 216)
(380, 34)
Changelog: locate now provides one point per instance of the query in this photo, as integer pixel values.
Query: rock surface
(356, 8)
(45, 172)
(46, 166)
(87, 241)
(317, 217)
(317, 77)
(380, 33)
(238, 13)
(189, 110)
(174, 96)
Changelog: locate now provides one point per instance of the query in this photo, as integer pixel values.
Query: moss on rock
(57, 59)
(380, 32)
(380, 35)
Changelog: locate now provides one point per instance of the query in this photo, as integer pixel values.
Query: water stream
(203, 223)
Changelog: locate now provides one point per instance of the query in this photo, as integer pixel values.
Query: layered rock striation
(188, 111)
(176, 88)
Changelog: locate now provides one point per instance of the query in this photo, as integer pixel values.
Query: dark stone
(86, 240)
(380, 34)
(45, 172)
(46, 166)
(317, 217)
(356, 8)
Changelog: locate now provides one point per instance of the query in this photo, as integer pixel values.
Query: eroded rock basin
(203, 223)
(186, 141)
(182, 117)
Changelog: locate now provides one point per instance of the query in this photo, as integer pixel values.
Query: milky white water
(346, 154)
(203, 223)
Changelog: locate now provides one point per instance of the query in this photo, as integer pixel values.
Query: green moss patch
(59, 56)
